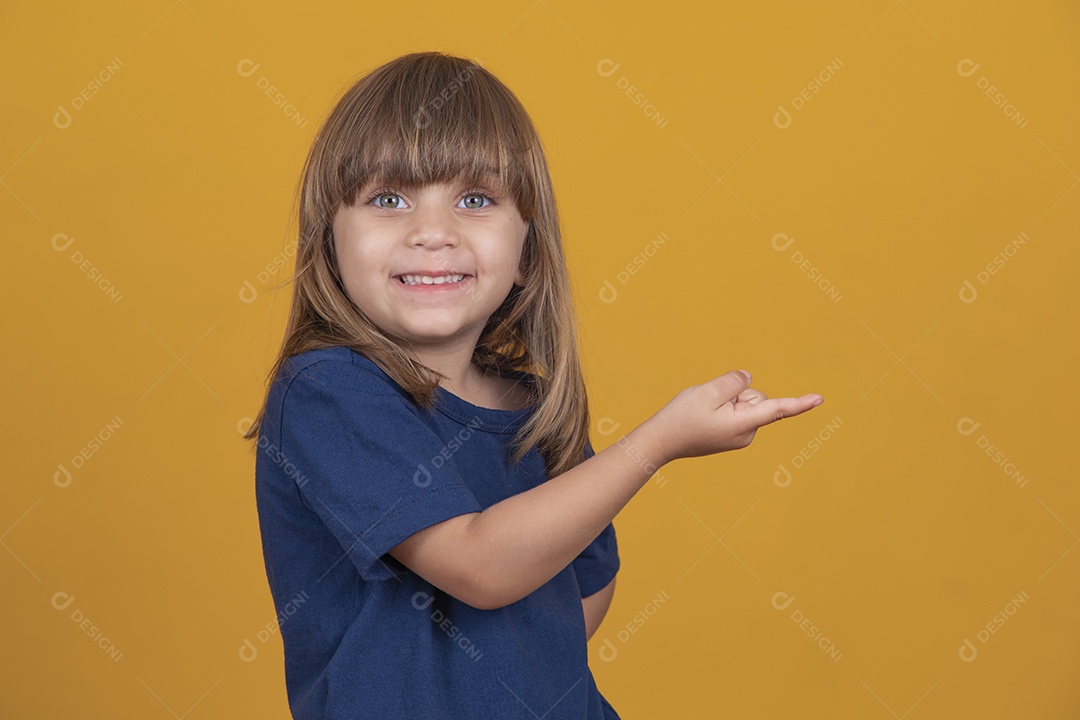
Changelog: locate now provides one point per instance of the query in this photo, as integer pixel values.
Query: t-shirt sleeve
(598, 563)
(364, 455)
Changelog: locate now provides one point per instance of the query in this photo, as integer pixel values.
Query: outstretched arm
(496, 557)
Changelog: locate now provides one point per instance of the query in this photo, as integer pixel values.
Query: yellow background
(897, 536)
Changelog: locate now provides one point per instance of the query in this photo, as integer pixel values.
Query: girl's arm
(596, 606)
(499, 556)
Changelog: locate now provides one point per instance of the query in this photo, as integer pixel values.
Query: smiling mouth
(431, 280)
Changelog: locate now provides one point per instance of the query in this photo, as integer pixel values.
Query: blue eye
(388, 200)
(476, 201)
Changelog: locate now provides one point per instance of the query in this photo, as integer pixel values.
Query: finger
(729, 385)
(769, 411)
(751, 396)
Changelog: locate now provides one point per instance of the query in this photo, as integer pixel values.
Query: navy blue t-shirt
(347, 467)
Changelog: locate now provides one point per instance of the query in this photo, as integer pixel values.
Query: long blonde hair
(424, 118)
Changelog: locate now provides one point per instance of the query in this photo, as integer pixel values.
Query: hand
(722, 414)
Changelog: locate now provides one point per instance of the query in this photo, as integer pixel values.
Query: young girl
(436, 527)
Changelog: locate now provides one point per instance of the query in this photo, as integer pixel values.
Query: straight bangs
(429, 118)
(438, 122)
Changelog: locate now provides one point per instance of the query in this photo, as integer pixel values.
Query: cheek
(355, 270)
(351, 257)
(357, 253)
(502, 258)
(508, 245)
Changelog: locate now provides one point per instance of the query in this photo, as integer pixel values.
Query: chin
(442, 333)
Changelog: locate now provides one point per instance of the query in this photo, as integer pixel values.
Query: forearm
(493, 558)
(519, 544)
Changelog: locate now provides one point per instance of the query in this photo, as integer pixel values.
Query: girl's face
(394, 242)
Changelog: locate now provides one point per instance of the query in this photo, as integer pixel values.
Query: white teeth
(428, 280)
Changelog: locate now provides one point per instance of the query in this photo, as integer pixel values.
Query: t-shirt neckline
(482, 418)
(463, 411)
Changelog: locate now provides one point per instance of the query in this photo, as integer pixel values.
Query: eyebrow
(491, 177)
(490, 173)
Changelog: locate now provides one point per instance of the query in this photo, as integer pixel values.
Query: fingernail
(818, 402)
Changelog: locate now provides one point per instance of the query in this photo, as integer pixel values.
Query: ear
(519, 279)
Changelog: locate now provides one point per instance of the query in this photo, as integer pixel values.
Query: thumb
(730, 384)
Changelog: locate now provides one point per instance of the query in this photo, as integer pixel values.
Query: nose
(433, 225)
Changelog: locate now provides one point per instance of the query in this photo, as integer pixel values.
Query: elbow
(479, 581)
(485, 588)
(484, 592)
(485, 603)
